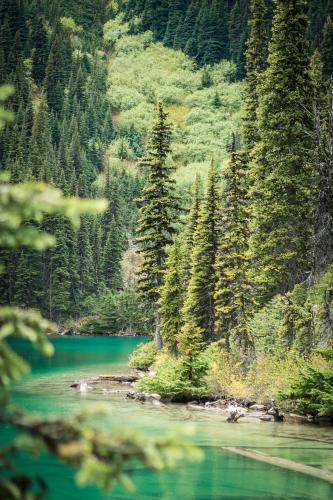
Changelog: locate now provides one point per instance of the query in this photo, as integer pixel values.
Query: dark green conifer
(157, 213)
(41, 49)
(86, 260)
(233, 291)
(171, 299)
(281, 175)
(327, 48)
(190, 228)
(112, 256)
(199, 309)
(256, 61)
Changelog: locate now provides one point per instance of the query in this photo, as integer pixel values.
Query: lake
(222, 474)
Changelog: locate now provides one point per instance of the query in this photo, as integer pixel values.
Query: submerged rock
(144, 396)
(82, 386)
(299, 419)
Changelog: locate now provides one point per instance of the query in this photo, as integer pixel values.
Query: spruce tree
(171, 299)
(327, 48)
(322, 239)
(256, 60)
(157, 214)
(41, 153)
(233, 291)
(112, 255)
(281, 175)
(41, 51)
(199, 309)
(190, 228)
(86, 259)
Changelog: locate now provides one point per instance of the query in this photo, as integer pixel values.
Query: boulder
(258, 407)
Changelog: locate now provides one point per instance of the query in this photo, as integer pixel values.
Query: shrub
(143, 356)
(311, 392)
(170, 380)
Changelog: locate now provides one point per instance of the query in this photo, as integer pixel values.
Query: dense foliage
(259, 251)
(130, 102)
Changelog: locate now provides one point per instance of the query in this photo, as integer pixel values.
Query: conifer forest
(166, 212)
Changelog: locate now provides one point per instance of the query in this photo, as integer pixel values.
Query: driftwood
(234, 417)
(283, 463)
(116, 378)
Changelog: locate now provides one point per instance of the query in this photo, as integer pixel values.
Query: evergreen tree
(58, 276)
(191, 227)
(58, 69)
(41, 51)
(327, 48)
(198, 309)
(281, 175)
(238, 30)
(157, 214)
(322, 239)
(175, 15)
(233, 291)
(112, 255)
(256, 59)
(171, 299)
(86, 260)
(41, 154)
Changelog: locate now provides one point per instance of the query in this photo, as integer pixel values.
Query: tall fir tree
(256, 61)
(112, 257)
(281, 171)
(40, 51)
(171, 299)
(199, 309)
(327, 48)
(233, 291)
(157, 214)
(190, 228)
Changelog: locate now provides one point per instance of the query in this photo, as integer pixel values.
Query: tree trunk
(158, 337)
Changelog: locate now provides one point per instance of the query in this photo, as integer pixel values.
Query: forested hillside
(211, 30)
(84, 102)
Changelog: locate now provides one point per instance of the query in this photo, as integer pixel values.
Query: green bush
(311, 392)
(170, 379)
(143, 356)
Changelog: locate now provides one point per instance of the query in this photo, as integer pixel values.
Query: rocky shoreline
(233, 409)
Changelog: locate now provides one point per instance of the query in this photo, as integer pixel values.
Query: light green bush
(143, 356)
(170, 380)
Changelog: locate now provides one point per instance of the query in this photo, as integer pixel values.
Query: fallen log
(122, 379)
(282, 462)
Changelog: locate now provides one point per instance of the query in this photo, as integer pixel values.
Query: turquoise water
(222, 474)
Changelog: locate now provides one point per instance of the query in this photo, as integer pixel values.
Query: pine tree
(157, 214)
(256, 60)
(58, 69)
(58, 275)
(281, 175)
(41, 51)
(41, 153)
(198, 309)
(171, 299)
(86, 259)
(190, 229)
(175, 14)
(327, 48)
(322, 239)
(112, 255)
(238, 31)
(233, 291)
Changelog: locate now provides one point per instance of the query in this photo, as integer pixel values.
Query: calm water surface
(222, 475)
